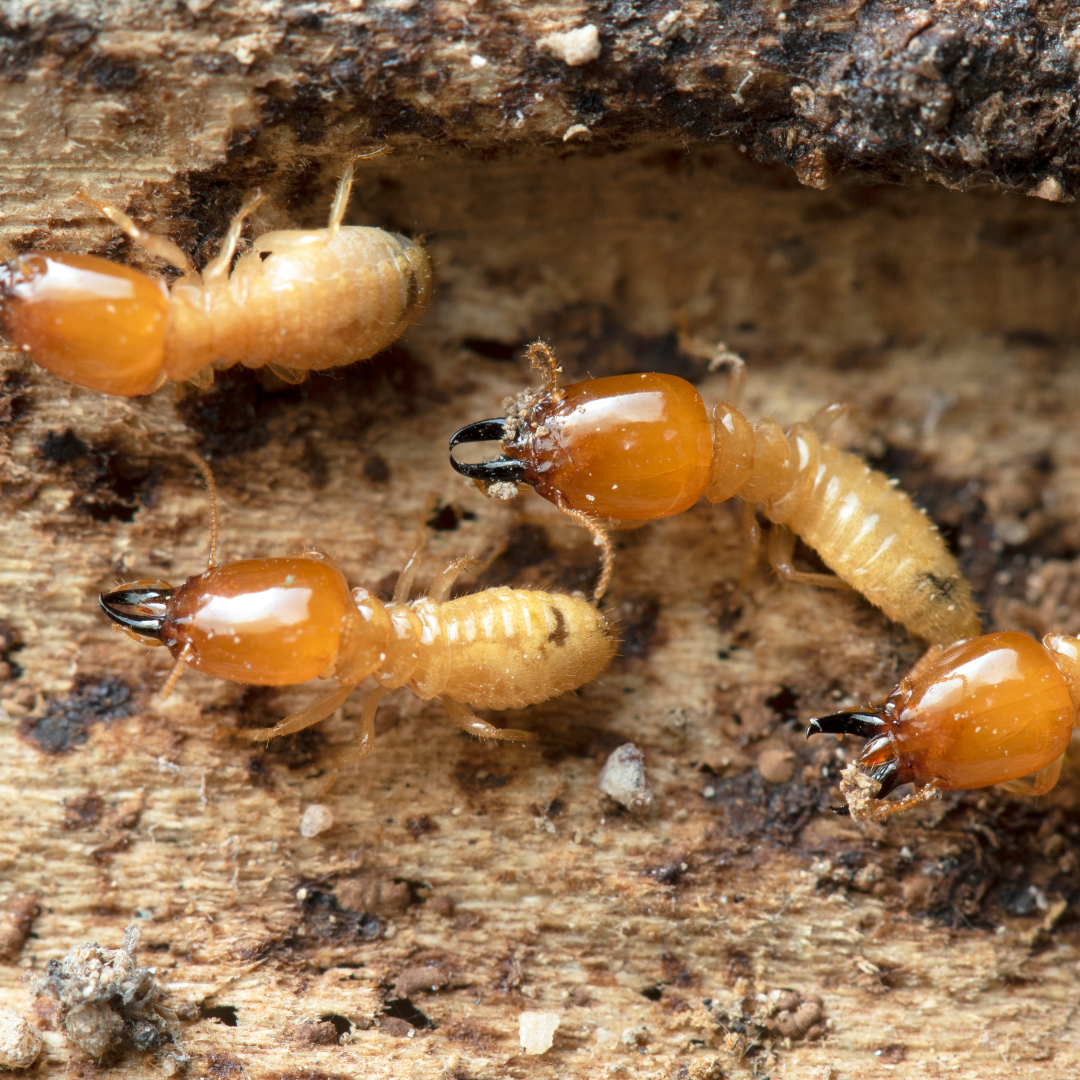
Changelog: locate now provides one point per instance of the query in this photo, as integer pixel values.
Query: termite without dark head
(998, 709)
(299, 301)
(638, 447)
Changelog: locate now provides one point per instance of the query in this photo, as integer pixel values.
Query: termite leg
(444, 580)
(407, 577)
(468, 721)
(312, 714)
(1038, 783)
(218, 267)
(826, 416)
(361, 746)
(364, 742)
(408, 573)
(159, 246)
(344, 189)
(924, 661)
(781, 554)
(752, 543)
(292, 376)
(203, 379)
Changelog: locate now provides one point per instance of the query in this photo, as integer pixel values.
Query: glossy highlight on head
(93, 322)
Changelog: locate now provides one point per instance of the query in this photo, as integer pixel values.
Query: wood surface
(713, 933)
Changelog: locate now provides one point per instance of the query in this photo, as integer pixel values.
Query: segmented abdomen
(304, 307)
(507, 648)
(869, 533)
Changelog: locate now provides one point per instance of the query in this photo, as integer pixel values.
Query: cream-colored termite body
(866, 530)
(299, 301)
(499, 648)
(303, 300)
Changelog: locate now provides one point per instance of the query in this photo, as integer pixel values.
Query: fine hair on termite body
(994, 710)
(298, 301)
(638, 447)
(282, 621)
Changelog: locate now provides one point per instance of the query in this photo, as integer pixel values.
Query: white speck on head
(476, 62)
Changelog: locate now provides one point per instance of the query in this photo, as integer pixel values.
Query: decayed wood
(962, 93)
(719, 930)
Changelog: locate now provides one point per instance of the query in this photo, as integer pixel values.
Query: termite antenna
(211, 492)
(386, 148)
(541, 359)
(601, 540)
(161, 247)
(174, 675)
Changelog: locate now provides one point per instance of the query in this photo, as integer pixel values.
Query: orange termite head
(264, 622)
(989, 710)
(631, 447)
(90, 321)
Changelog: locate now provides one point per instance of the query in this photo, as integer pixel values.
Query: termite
(638, 447)
(998, 709)
(299, 301)
(282, 621)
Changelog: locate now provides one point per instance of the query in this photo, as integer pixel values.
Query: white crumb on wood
(317, 818)
(20, 1044)
(573, 47)
(536, 1031)
(624, 778)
